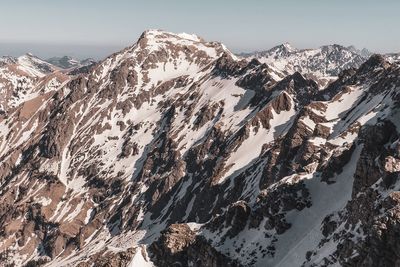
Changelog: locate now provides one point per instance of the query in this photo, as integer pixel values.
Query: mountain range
(67, 62)
(177, 152)
(322, 64)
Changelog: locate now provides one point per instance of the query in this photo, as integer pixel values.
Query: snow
(250, 148)
(213, 91)
(191, 37)
(156, 40)
(310, 123)
(247, 151)
(336, 108)
(189, 207)
(170, 70)
(140, 259)
(44, 201)
(26, 133)
(341, 140)
(355, 107)
(231, 114)
(29, 64)
(288, 60)
(57, 213)
(318, 141)
(194, 226)
(88, 216)
(305, 233)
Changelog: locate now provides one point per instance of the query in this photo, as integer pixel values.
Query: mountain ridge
(67, 62)
(176, 150)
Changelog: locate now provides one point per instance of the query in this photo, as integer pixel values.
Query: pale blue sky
(98, 27)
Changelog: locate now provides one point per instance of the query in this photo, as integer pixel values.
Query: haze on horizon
(97, 28)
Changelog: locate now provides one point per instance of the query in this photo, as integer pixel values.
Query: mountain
(25, 78)
(393, 57)
(363, 52)
(67, 62)
(29, 64)
(322, 64)
(175, 152)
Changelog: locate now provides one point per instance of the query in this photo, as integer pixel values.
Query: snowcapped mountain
(174, 151)
(394, 57)
(25, 78)
(29, 64)
(67, 62)
(365, 53)
(322, 64)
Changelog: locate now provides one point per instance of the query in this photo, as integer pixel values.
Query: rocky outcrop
(179, 246)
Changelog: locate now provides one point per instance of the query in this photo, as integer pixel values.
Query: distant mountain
(25, 78)
(32, 65)
(323, 64)
(67, 62)
(393, 57)
(365, 53)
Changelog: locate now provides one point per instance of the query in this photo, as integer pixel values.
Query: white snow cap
(289, 47)
(187, 36)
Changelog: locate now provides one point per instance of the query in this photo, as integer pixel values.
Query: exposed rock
(179, 246)
(177, 147)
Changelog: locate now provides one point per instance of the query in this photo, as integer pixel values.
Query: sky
(96, 28)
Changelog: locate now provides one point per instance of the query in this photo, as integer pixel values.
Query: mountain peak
(323, 63)
(288, 46)
(374, 62)
(28, 55)
(173, 44)
(363, 52)
(161, 34)
(65, 62)
(34, 65)
(337, 47)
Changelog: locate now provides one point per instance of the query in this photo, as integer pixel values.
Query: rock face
(180, 246)
(175, 152)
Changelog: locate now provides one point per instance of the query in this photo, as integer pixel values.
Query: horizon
(98, 52)
(97, 28)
